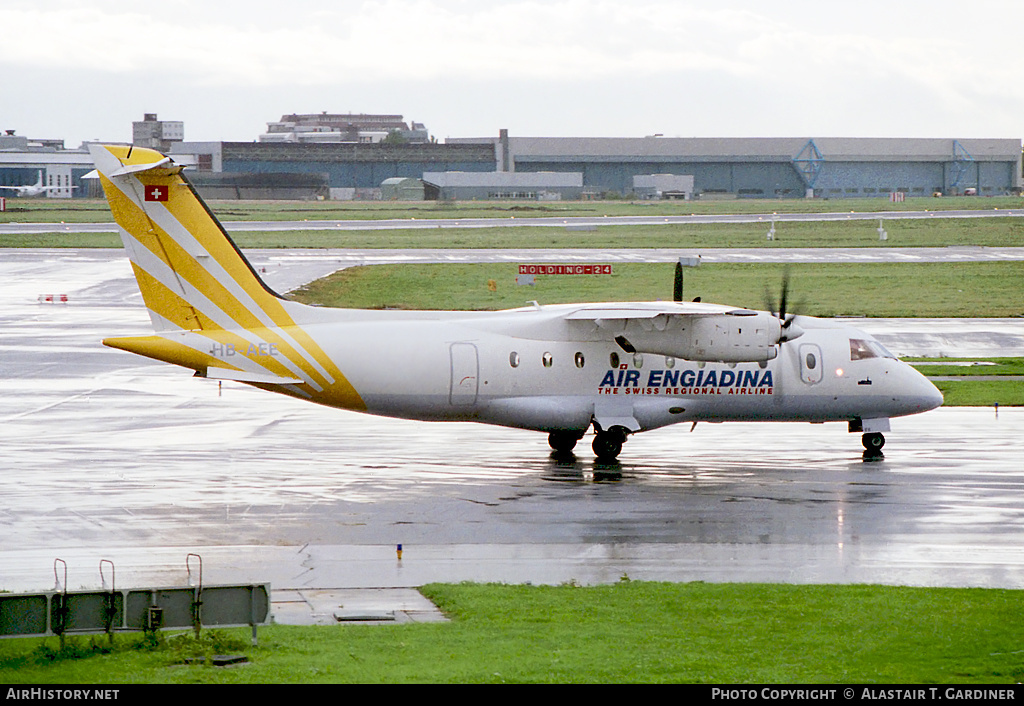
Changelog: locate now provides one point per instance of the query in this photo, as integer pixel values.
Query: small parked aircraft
(620, 368)
(36, 189)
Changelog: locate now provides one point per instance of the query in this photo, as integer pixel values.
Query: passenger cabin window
(579, 359)
(613, 359)
(670, 362)
(638, 360)
(547, 359)
(513, 359)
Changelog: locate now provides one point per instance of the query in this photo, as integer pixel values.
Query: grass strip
(953, 232)
(981, 393)
(983, 289)
(78, 210)
(968, 390)
(625, 632)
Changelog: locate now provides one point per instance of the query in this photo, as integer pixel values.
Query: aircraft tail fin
(210, 309)
(191, 274)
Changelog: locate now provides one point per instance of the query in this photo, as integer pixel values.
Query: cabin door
(465, 374)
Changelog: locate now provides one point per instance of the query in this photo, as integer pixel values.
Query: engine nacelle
(741, 336)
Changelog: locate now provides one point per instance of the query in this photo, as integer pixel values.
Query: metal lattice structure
(962, 161)
(809, 162)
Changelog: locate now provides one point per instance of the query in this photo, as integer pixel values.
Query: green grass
(989, 289)
(977, 367)
(968, 391)
(626, 632)
(41, 210)
(981, 393)
(987, 232)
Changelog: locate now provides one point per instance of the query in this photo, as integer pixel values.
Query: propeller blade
(788, 331)
(677, 290)
(769, 302)
(785, 295)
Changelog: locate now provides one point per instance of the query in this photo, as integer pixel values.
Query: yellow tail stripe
(197, 265)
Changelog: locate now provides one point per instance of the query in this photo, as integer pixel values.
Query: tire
(563, 441)
(607, 445)
(873, 441)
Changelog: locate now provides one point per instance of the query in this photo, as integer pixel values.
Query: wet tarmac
(109, 456)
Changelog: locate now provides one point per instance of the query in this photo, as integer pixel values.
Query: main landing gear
(564, 441)
(607, 443)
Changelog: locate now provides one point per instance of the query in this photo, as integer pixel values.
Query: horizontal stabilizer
(245, 376)
(139, 168)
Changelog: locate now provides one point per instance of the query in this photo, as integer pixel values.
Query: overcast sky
(83, 70)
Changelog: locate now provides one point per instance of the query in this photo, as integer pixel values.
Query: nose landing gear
(873, 441)
(872, 438)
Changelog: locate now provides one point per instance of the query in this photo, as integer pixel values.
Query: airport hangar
(720, 167)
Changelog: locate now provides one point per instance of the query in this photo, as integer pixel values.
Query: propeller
(677, 289)
(789, 331)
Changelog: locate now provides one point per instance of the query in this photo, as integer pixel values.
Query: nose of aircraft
(926, 395)
(934, 398)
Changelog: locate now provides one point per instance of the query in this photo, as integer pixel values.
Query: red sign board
(565, 269)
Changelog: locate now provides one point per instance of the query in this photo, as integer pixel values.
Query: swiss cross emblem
(156, 193)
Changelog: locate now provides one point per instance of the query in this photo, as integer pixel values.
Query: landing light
(839, 372)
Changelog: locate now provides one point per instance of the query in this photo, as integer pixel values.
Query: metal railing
(61, 612)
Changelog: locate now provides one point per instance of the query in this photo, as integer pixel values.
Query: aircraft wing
(651, 310)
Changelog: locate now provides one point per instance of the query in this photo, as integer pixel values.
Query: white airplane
(621, 368)
(37, 188)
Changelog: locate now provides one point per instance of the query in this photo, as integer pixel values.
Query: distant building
(797, 167)
(359, 128)
(402, 189)
(354, 170)
(277, 186)
(663, 186)
(504, 186)
(343, 156)
(160, 135)
(26, 160)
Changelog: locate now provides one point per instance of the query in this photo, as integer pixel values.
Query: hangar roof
(753, 148)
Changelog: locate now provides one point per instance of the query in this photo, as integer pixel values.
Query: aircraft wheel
(563, 441)
(608, 444)
(873, 441)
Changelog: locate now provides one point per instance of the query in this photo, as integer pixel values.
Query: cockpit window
(862, 350)
(859, 350)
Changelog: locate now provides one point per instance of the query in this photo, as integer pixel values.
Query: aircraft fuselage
(526, 368)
